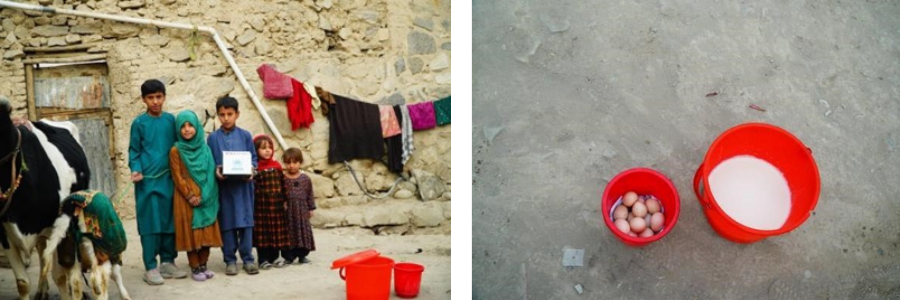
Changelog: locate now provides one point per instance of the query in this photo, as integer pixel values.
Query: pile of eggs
(638, 216)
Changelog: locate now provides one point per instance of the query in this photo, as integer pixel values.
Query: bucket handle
(343, 276)
(697, 187)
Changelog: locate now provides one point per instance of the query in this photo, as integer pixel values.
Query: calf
(88, 230)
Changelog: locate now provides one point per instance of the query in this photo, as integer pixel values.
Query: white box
(237, 163)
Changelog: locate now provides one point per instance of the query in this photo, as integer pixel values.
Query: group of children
(184, 202)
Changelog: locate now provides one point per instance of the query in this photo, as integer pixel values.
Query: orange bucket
(776, 146)
(368, 275)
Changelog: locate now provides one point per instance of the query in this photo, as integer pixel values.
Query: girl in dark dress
(298, 192)
(270, 233)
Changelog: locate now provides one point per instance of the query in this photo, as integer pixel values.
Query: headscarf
(270, 163)
(198, 159)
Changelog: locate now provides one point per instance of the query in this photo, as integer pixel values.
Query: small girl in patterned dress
(270, 233)
(298, 192)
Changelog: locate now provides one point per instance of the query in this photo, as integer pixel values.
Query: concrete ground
(569, 93)
(312, 281)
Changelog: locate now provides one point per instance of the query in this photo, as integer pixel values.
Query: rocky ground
(567, 94)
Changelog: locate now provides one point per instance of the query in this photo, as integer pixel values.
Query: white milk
(751, 191)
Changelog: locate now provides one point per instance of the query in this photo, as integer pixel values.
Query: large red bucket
(779, 148)
(368, 275)
(407, 279)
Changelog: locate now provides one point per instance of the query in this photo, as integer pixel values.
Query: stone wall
(380, 51)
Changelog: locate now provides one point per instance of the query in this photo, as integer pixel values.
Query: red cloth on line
(275, 84)
(299, 107)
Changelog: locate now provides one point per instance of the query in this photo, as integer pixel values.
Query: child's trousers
(162, 244)
(267, 254)
(198, 258)
(291, 254)
(238, 239)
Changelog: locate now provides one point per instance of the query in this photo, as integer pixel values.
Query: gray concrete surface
(581, 90)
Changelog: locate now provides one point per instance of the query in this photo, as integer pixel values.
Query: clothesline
(358, 129)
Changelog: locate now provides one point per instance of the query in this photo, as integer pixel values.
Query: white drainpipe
(210, 30)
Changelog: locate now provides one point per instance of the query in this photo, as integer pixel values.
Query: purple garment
(422, 115)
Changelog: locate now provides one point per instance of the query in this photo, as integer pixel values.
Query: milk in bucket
(751, 191)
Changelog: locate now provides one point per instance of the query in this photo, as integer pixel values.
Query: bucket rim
(639, 241)
(707, 169)
(354, 258)
(409, 267)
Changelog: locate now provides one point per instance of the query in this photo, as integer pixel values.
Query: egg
(646, 233)
(647, 218)
(639, 210)
(653, 206)
(638, 224)
(632, 234)
(656, 221)
(623, 226)
(629, 198)
(621, 212)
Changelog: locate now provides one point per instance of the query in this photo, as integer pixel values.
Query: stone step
(384, 212)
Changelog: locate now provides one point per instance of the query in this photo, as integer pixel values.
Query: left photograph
(181, 149)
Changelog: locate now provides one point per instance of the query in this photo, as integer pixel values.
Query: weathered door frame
(53, 56)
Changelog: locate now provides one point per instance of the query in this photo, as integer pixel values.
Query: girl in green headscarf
(196, 200)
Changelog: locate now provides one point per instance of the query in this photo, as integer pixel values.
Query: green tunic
(148, 153)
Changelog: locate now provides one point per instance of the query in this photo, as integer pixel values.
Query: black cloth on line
(395, 146)
(355, 130)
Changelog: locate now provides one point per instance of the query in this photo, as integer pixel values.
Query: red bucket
(776, 146)
(643, 181)
(368, 275)
(407, 279)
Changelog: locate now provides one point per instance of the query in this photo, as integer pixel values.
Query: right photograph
(686, 150)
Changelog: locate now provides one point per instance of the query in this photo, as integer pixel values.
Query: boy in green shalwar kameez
(152, 136)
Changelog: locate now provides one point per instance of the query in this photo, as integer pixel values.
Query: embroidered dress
(299, 195)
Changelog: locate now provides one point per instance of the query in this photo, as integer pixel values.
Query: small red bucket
(407, 279)
(643, 181)
(776, 146)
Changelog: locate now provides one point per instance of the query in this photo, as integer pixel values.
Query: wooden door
(80, 93)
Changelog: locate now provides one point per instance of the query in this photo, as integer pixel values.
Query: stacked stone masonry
(378, 51)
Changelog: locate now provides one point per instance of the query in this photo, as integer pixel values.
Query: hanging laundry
(395, 145)
(299, 107)
(389, 125)
(422, 115)
(275, 84)
(326, 97)
(442, 111)
(316, 102)
(407, 133)
(355, 130)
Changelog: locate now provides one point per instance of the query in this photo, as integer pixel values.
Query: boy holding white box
(235, 156)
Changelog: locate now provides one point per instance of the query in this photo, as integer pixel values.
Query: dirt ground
(567, 94)
(311, 281)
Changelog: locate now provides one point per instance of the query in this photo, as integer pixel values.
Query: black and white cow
(41, 163)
